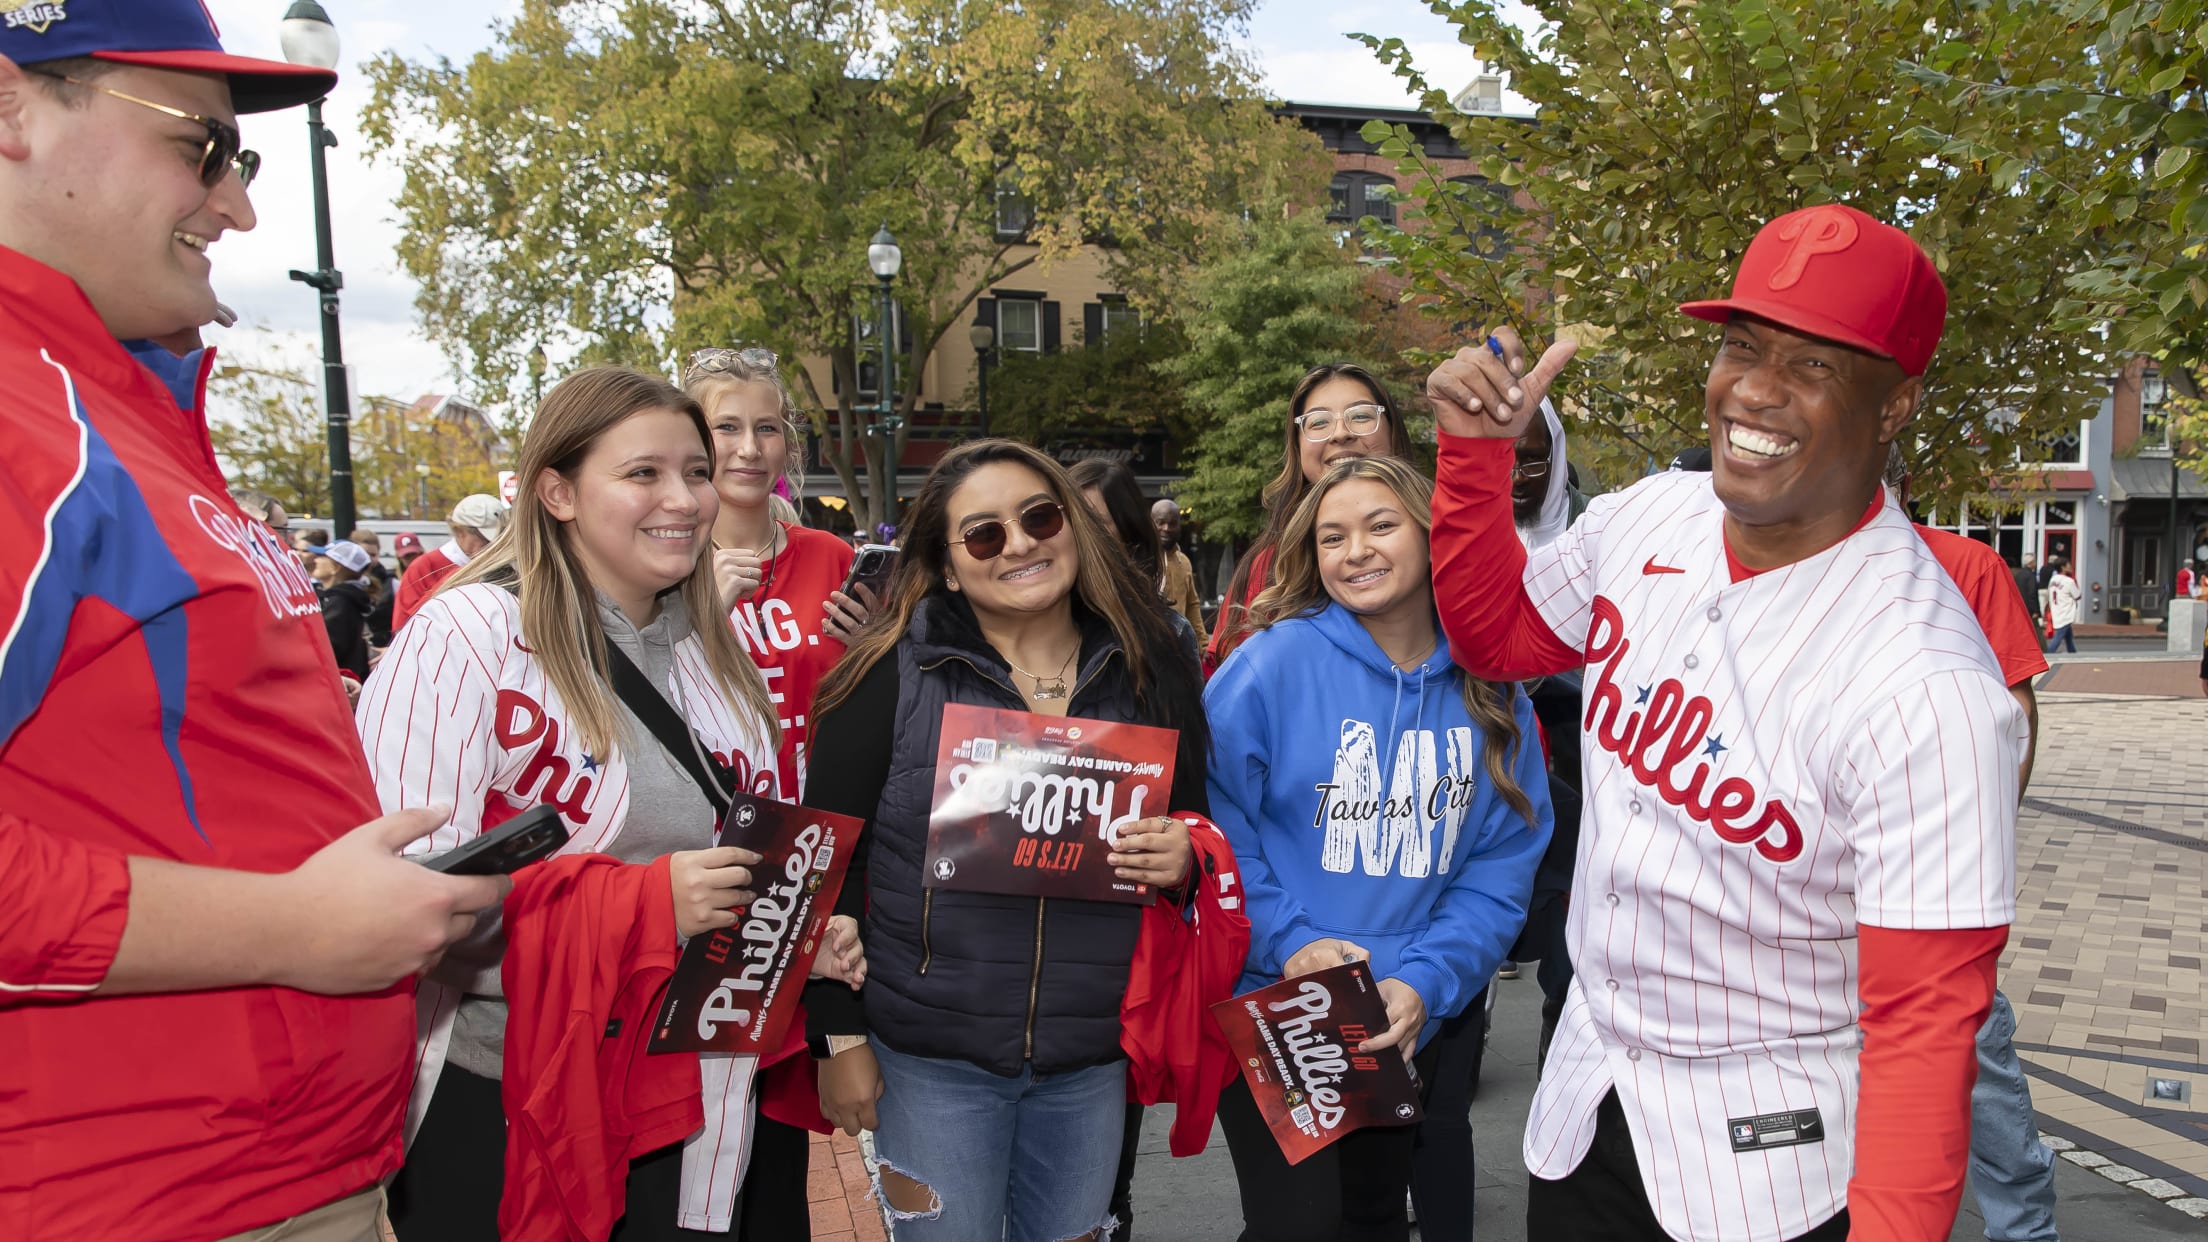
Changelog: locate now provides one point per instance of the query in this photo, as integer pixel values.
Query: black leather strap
(648, 705)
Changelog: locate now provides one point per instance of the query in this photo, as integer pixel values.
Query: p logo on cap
(1885, 297)
(1820, 230)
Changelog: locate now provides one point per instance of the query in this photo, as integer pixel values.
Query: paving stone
(2158, 1188)
(2120, 1173)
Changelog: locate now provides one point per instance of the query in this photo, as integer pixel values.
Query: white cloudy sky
(1301, 45)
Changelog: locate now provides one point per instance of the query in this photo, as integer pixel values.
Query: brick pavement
(2179, 678)
(836, 1186)
(2104, 964)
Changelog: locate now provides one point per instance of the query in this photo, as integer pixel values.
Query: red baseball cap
(160, 34)
(407, 542)
(1834, 272)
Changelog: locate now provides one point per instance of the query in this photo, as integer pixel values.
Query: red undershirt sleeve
(1480, 569)
(1924, 996)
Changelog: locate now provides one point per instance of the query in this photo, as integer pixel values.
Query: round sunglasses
(984, 541)
(225, 145)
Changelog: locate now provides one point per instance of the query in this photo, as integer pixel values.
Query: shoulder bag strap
(648, 705)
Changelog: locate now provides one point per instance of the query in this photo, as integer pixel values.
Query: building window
(1120, 319)
(1355, 196)
(2154, 410)
(1015, 213)
(1020, 325)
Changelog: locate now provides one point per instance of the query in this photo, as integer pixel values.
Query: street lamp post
(309, 38)
(984, 337)
(884, 258)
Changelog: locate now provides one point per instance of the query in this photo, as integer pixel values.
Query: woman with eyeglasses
(1338, 411)
(782, 579)
(985, 1052)
(1391, 811)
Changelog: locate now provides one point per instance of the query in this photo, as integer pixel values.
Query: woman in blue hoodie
(1383, 805)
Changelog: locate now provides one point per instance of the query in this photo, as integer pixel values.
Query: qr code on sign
(1300, 1114)
(985, 750)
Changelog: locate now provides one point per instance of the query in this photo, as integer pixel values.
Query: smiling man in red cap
(1796, 860)
(205, 966)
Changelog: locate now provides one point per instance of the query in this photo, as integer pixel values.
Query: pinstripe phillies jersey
(460, 713)
(1767, 763)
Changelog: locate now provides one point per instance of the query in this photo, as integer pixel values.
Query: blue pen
(1494, 347)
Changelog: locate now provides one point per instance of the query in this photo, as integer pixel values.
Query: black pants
(1441, 1154)
(1349, 1191)
(1603, 1199)
(448, 1189)
(1123, 1186)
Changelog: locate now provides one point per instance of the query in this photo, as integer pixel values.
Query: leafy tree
(644, 176)
(269, 431)
(1669, 132)
(1111, 385)
(2134, 91)
(1279, 295)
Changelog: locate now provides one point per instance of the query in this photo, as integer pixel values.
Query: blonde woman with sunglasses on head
(782, 580)
(985, 1055)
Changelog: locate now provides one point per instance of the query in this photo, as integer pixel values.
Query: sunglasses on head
(725, 361)
(984, 541)
(225, 145)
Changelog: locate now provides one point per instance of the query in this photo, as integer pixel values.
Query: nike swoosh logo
(1653, 568)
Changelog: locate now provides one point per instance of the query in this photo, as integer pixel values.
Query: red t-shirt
(420, 581)
(780, 629)
(1990, 590)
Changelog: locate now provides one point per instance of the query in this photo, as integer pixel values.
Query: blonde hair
(732, 367)
(1297, 590)
(559, 611)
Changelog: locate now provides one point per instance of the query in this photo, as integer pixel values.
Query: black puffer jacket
(995, 981)
(345, 614)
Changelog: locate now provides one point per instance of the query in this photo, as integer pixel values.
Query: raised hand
(737, 572)
(1482, 394)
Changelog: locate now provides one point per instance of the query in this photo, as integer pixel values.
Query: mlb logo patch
(1743, 1132)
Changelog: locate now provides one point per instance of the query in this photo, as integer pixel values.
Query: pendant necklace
(1055, 688)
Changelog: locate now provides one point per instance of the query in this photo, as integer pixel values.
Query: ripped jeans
(1028, 1159)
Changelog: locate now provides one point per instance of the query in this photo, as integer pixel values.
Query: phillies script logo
(765, 938)
(285, 587)
(522, 720)
(1320, 1061)
(1655, 742)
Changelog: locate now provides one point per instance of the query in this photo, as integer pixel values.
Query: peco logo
(284, 585)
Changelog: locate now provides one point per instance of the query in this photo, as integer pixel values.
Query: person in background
(1337, 411)
(340, 570)
(383, 587)
(2062, 605)
(781, 581)
(304, 541)
(1343, 699)
(2185, 581)
(2026, 576)
(985, 1052)
(265, 509)
(475, 522)
(207, 966)
(2011, 1171)
(407, 548)
(606, 561)
(1113, 495)
(1177, 577)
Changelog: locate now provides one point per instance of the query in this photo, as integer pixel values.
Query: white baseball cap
(484, 513)
(347, 553)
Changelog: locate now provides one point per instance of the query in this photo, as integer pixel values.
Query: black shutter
(904, 332)
(985, 311)
(1092, 324)
(1050, 327)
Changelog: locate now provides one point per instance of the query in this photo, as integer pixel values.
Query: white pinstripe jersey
(459, 712)
(1766, 762)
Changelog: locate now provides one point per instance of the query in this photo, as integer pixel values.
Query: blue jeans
(2063, 640)
(2012, 1171)
(1026, 1159)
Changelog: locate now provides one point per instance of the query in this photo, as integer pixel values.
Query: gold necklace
(1055, 688)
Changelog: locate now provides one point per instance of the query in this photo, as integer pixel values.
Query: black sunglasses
(225, 145)
(984, 541)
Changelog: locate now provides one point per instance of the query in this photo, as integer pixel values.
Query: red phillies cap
(407, 542)
(1834, 272)
(162, 34)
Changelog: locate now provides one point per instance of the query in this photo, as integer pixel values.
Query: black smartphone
(873, 565)
(532, 836)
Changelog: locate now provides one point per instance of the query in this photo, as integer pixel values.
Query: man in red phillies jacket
(205, 968)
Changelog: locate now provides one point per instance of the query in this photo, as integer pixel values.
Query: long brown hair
(1166, 682)
(1297, 590)
(559, 610)
(1288, 489)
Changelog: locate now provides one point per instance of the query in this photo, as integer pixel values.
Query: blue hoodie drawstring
(1395, 713)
